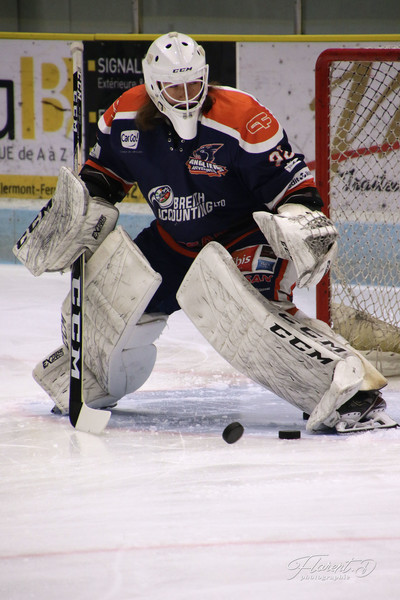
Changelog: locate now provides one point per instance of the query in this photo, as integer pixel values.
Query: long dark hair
(148, 115)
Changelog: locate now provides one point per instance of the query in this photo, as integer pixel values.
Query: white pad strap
(305, 236)
(295, 361)
(69, 224)
(119, 284)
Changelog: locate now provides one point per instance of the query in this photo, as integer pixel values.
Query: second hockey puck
(233, 432)
(289, 435)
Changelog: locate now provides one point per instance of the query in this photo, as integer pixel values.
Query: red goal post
(357, 112)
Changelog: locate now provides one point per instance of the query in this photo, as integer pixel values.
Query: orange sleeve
(242, 112)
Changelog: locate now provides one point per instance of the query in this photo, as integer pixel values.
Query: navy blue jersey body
(240, 161)
(206, 188)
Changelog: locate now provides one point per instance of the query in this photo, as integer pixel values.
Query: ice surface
(159, 506)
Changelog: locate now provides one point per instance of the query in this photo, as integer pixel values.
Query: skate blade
(379, 421)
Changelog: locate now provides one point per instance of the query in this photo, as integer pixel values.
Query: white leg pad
(128, 369)
(373, 379)
(295, 361)
(119, 354)
(119, 284)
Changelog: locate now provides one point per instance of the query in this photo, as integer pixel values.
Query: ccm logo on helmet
(183, 70)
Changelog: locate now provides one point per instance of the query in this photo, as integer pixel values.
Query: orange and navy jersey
(240, 161)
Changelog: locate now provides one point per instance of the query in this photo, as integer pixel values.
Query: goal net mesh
(363, 171)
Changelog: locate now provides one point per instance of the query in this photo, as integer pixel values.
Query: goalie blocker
(72, 222)
(300, 360)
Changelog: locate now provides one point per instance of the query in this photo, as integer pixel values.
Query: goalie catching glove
(304, 236)
(71, 223)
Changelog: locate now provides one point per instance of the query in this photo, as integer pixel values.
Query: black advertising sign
(110, 68)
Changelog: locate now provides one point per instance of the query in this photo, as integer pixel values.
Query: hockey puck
(289, 435)
(233, 432)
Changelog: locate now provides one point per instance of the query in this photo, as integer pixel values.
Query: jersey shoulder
(134, 98)
(243, 116)
(127, 104)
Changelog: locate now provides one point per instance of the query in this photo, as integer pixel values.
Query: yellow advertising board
(36, 123)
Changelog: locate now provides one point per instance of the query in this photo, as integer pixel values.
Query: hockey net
(358, 175)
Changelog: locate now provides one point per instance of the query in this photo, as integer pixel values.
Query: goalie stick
(81, 416)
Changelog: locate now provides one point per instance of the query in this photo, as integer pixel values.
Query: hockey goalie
(237, 224)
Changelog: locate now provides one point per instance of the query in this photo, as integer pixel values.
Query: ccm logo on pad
(130, 138)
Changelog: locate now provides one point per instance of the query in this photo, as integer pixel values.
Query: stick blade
(91, 420)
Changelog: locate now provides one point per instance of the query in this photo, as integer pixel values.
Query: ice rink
(159, 507)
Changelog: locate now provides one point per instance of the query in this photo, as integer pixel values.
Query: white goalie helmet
(176, 59)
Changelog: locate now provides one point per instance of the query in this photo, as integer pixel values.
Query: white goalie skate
(364, 412)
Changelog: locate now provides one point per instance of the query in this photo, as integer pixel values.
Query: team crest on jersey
(202, 161)
(162, 195)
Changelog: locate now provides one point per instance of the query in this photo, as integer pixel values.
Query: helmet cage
(190, 104)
